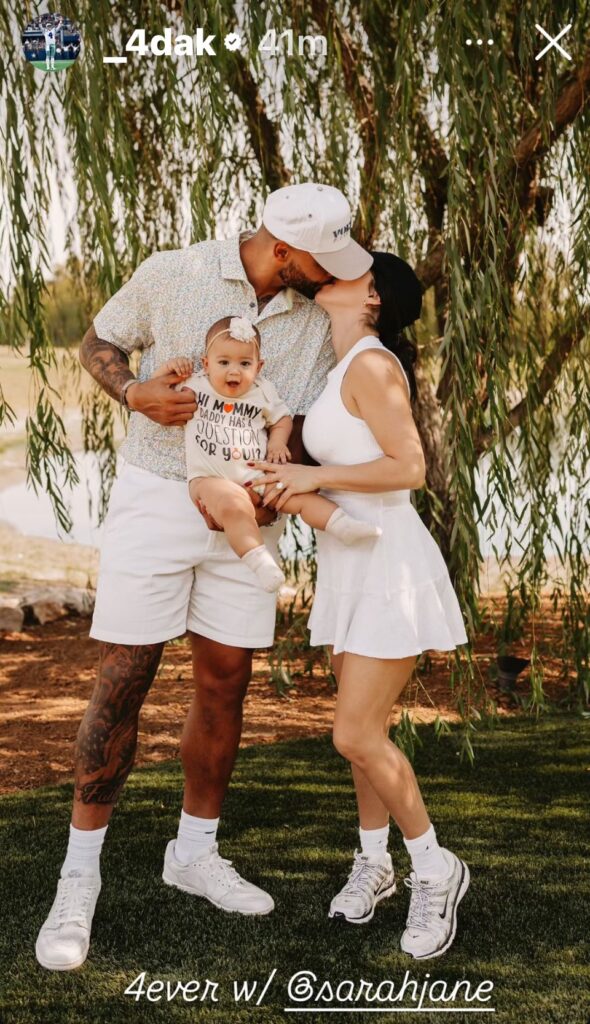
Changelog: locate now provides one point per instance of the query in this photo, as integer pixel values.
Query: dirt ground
(47, 674)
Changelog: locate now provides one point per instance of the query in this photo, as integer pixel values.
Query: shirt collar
(230, 264)
(282, 302)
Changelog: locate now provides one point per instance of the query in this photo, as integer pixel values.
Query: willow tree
(457, 147)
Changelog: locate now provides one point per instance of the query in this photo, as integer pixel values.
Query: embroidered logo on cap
(339, 232)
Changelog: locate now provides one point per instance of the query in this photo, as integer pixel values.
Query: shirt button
(252, 304)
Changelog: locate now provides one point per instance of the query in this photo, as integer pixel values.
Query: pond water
(31, 512)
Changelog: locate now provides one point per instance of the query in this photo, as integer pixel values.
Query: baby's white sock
(261, 562)
(349, 530)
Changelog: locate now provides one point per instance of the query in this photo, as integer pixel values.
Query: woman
(380, 604)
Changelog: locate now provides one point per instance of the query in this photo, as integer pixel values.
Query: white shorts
(162, 571)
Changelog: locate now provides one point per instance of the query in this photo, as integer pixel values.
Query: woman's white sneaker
(214, 878)
(371, 880)
(432, 917)
(62, 943)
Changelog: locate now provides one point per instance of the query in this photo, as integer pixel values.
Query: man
(165, 570)
(50, 32)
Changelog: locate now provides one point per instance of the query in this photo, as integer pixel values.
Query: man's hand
(157, 399)
(264, 516)
(211, 522)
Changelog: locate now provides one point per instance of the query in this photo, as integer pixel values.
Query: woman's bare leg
(372, 811)
(368, 688)
(439, 879)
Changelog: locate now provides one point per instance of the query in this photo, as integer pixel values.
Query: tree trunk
(434, 502)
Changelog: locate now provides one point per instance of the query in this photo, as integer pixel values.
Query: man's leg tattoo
(107, 738)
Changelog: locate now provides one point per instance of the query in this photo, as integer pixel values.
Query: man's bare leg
(107, 737)
(209, 746)
(105, 751)
(213, 726)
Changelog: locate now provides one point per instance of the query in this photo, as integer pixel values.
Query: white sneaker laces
(362, 877)
(223, 871)
(421, 901)
(73, 901)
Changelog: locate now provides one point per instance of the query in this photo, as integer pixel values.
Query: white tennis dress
(384, 597)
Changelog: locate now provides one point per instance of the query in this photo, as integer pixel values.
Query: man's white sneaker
(62, 943)
(371, 880)
(214, 878)
(432, 917)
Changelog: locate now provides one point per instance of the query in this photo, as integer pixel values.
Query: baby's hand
(180, 365)
(277, 453)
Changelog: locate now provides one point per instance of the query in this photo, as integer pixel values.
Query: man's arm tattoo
(107, 738)
(108, 364)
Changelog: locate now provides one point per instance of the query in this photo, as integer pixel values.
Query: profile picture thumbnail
(51, 42)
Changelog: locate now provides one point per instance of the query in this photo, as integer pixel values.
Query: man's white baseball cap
(317, 219)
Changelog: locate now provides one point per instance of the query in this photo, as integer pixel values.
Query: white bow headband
(240, 329)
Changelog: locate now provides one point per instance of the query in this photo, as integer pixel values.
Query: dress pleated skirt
(388, 597)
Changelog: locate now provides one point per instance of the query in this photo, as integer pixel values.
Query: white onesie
(224, 433)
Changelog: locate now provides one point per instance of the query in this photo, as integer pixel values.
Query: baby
(240, 418)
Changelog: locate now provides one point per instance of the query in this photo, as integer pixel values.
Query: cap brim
(347, 264)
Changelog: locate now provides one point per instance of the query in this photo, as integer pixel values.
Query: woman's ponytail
(401, 301)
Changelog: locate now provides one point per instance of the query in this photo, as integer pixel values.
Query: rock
(44, 611)
(12, 616)
(42, 604)
(78, 600)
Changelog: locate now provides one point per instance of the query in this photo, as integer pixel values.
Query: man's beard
(293, 277)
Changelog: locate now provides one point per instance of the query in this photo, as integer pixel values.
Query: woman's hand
(296, 479)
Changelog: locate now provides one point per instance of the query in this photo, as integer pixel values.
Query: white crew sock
(350, 530)
(374, 840)
(261, 562)
(427, 857)
(83, 853)
(195, 837)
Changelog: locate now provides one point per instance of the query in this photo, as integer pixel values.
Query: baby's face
(232, 366)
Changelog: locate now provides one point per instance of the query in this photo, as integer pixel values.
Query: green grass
(518, 819)
(60, 65)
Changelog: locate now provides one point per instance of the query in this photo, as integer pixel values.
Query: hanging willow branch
(554, 366)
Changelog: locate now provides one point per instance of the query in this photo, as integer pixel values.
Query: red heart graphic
(228, 408)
